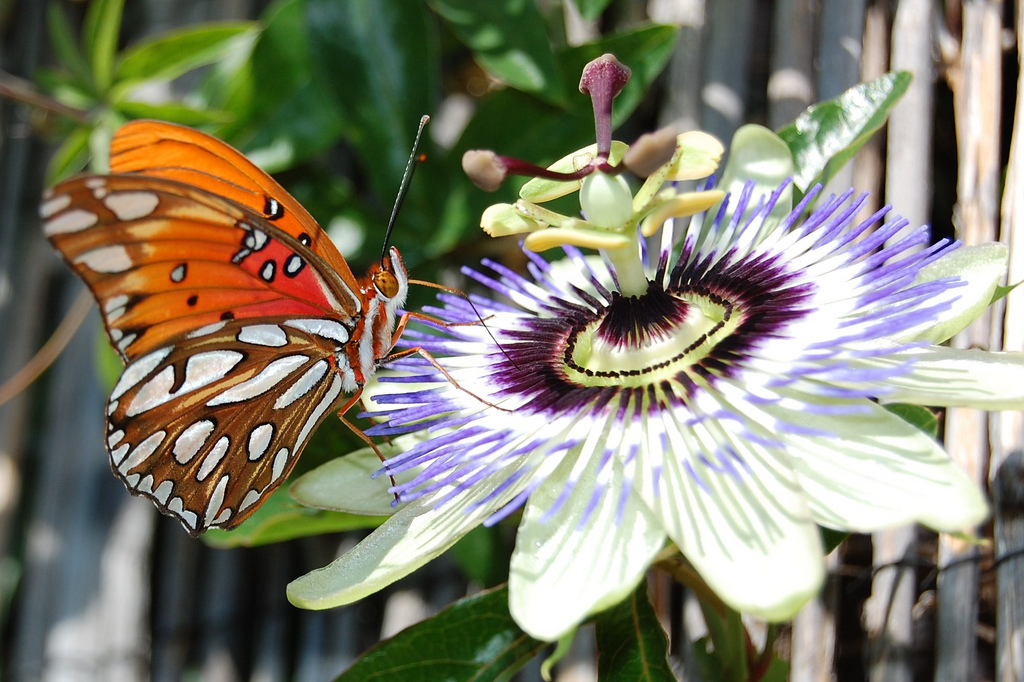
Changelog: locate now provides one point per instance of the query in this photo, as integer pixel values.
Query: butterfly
(240, 324)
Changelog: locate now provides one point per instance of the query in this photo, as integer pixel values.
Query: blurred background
(326, 94)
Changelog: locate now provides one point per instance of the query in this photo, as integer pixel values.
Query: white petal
(562, 572)
(747, 531)
(875, 471)
(412, 537)
(952, 377)
(981, 268)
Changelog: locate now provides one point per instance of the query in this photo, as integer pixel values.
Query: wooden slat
(888, 618)
(976, 83)
(1007, 428)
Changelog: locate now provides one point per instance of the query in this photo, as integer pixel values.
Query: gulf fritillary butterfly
(240, 324)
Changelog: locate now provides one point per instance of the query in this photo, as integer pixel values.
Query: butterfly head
(390, 281)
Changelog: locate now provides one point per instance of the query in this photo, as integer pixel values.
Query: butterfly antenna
(414, 160)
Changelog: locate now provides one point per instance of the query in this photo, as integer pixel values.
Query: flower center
(639, 340)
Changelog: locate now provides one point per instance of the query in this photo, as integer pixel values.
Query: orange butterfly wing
(164, 259)
(166, 150)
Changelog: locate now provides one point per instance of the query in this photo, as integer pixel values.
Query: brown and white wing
(209, 426)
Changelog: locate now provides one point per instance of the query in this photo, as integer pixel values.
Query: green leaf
(100, 33)
(473, 639)
(287, 115)
(591, 9)
(831, 538)
(70, 157)
(827, 135)
(630, 642)
(280, 518)
(169, 55)
(379, 63)
(508, 40)
(175, 113)
(65, 45)
(481, 556)
(722, 655)
(109, 364)
(916, 415)
(542, 133)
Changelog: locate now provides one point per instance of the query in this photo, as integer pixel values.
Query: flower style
(720, 392)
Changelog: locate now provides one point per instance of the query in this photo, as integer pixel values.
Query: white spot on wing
(263, 335)
(213, 458)
(146, 484)
(131, 205)
(280, 459)
(51, 206)
(117, 455)
(137, 371)
(153, 393)
(163, 491)
(222, 517)
(251, 498)
(259, 440)
(113, 258)
(188, 518)
(126, 341)
(217, 499)
(271, 375)
(328, 329)
(301, 387)
(75, 220)
(203, 369)
(115, 438)
(115, 302)
(208, 329)
(142, 451)
(192, 440)
(320, 409)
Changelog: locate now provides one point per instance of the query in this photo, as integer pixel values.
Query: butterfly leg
(425, 354)
(359, 432)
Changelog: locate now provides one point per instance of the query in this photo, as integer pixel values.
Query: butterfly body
(240, 324)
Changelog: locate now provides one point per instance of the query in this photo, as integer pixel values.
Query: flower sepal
(347, 484)
(502, 220)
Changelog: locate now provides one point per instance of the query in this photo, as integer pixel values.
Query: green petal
(952, 377)
(561, 572)
(346, 483)
(757, 154)
(981, 268)
(406, 541)
(874, 470)
(748, 533)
